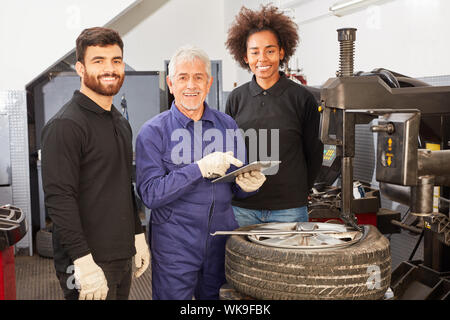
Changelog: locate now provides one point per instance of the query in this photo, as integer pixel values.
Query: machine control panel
(329, 154)
(388, 155)
(397, 149)
(331, 165)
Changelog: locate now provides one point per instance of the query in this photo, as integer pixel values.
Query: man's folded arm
(155, 186)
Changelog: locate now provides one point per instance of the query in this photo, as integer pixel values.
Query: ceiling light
(349, 6)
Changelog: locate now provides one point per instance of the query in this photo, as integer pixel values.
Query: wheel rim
(340, 237)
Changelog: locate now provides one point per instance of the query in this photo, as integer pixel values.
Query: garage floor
(402, 245)
(36, 279)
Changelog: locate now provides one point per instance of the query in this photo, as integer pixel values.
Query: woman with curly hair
(263, 41)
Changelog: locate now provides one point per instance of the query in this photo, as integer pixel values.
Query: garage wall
(35, 34)
(407, 36)
(39, 33)
(177, 22)
(199, 22)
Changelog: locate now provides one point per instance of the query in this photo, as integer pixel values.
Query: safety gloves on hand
(250, 181)
(142, 256)
(216, 164)
(91, 279)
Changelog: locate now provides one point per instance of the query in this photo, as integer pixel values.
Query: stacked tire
(44, 243)
(360, 271)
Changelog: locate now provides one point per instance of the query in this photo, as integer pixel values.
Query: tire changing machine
(405, 110)
(407, 173)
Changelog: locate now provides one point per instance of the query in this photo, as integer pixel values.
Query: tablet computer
(257, 165)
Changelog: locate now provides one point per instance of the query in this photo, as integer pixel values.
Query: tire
(360, 271)
(44, 244)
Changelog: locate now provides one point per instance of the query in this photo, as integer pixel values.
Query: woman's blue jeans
(246, 217)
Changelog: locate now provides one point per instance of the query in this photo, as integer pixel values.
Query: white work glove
(142, 256)
(216, 164)
(250, 181)
(90, 277)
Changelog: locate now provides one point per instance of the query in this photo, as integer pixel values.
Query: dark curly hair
(248, 22)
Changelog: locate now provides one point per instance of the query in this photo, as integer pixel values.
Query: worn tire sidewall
(370, 252)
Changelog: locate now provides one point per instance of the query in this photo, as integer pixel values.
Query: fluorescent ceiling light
(293, 3)
(348, 6)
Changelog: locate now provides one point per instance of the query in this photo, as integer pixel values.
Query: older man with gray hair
(178, 152)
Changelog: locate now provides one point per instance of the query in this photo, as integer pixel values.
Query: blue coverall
(186, 260)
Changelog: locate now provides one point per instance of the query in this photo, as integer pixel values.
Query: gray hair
(189, 53)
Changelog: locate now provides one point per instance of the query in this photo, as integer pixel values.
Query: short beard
(94, 84)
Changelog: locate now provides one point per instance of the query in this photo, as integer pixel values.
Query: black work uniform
(291, 109)
(87, 159)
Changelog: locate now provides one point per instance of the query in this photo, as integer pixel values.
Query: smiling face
(103, 70)
(190, 84)
(263, 57)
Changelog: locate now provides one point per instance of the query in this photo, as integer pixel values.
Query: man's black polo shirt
(292, 109)
(87, 161)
